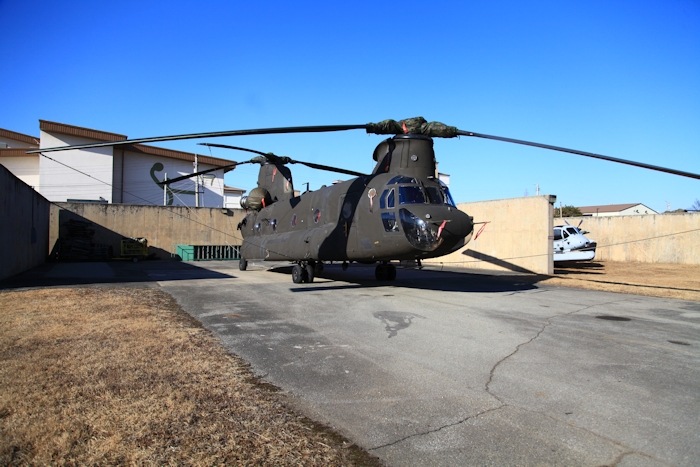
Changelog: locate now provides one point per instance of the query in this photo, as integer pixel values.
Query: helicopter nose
(439, 231)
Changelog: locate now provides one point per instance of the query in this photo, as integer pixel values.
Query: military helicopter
(401, 211)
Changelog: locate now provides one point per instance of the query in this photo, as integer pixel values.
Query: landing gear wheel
(309, 273)
(242, 264)
(297, 274)
(380, 272)
(318, 268)
(390, 272)
(385, 272)
(345, 265)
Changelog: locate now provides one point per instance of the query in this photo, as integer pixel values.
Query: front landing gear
(305, 271)
(385, 272)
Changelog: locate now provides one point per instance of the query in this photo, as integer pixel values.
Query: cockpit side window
(448, 197)
(387, 199)
(566, 235)
(411, 195)
(557, 234)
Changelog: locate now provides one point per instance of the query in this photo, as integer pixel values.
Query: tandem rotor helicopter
(401, 211)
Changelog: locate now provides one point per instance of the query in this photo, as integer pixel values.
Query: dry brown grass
(123, 376)
(680, 281)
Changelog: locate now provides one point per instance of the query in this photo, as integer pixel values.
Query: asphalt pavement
(451, 368)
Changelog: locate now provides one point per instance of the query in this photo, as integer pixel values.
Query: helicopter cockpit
(411, 191)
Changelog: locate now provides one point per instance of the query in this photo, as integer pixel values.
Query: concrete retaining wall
(24, 225)
(163, 227)
(658, 238)
(518, 236)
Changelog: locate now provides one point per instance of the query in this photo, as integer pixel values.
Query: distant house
(616, 210)
(126, 174)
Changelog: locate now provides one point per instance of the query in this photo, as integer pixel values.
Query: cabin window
(294, 220)
(389, 221)
(411, 195)
(557, 234)
(317, 215)
(273, 223)
(257, 226)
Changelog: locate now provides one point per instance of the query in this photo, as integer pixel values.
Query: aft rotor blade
(329, 168)
(216, 134)
(582, 153)
(184, 177)
(275, 158)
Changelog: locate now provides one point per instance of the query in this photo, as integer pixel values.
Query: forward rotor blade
(184, 177)
(582, 153)
(226, 146)
(216, 134)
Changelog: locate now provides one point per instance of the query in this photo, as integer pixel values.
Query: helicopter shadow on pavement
(362, 276)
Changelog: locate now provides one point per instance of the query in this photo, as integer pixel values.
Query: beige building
(633, 209)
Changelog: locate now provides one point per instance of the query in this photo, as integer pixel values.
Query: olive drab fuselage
(399, 212)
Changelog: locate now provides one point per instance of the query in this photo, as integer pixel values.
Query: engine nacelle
(257, 199)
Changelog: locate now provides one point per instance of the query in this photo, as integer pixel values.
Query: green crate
(185, 252)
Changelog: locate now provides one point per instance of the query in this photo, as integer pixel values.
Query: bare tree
(695, 206)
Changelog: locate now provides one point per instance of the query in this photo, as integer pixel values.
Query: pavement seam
(449, 425)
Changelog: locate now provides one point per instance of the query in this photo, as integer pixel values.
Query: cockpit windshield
(434, 195)
(411, 195)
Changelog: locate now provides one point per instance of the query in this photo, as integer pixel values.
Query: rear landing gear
(385, 272)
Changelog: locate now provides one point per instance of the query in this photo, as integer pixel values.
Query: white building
(114, 174)
(616, 210)
(232, 197)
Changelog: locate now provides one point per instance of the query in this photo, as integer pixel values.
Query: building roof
(607, 208)
(62, 128)
(233, 189)
(15, 152)
(33, 140)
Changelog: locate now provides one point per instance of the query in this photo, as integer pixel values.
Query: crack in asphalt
(548, 322)
(626, 449)
(449, 425)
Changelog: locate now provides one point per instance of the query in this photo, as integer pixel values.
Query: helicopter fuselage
(378, 217)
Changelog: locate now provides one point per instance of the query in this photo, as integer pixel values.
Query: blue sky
(620, 78)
